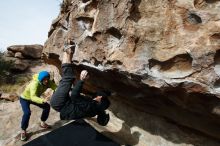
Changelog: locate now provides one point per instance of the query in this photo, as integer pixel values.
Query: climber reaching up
(75, 105)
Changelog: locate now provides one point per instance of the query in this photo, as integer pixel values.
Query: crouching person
(31, 95)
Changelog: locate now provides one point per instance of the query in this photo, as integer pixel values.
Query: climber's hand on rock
(98, 98)
(84, 75)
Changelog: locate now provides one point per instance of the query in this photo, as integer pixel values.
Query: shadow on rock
(124, 136)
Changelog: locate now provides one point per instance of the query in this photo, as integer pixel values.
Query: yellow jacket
(35, 88)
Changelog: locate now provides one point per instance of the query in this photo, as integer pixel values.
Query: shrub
(5, 66)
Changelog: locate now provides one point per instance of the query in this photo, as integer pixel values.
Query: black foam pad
(77, 133)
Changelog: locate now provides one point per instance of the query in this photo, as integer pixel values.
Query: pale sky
(24, 22)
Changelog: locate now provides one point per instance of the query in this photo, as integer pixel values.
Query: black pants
(73, 107)
(61, 95)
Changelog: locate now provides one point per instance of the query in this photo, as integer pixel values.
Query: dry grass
(16, 83)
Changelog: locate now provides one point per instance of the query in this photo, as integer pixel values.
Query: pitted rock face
(161, 56)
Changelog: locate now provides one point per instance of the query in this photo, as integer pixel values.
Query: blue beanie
(42, 75)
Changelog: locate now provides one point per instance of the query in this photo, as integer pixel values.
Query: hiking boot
(23, 136)
(103, 119)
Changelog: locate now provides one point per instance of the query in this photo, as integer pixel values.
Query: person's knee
(27, 114)
(46, 107)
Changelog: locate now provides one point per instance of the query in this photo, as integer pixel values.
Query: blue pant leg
(25, 104)
(45, 112)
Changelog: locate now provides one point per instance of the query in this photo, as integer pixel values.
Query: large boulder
(161, 57)
(20, 65)
(9, 96)
(23, 56)
(28, 51)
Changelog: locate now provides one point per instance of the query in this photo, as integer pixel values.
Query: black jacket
(78, 106)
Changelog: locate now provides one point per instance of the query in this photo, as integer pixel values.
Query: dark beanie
(42, 75)
(105, 103)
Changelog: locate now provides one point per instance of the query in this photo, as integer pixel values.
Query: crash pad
(77, 133)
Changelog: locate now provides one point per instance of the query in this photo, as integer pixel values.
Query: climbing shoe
(23, 136)
(45, 125)
(69, 47)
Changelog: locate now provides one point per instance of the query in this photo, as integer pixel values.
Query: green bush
(11, 82)
(5, 66)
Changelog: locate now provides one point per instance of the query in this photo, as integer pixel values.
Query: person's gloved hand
(46, 99)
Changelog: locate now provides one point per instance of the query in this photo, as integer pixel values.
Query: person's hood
(35, 77)
(42, 75)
